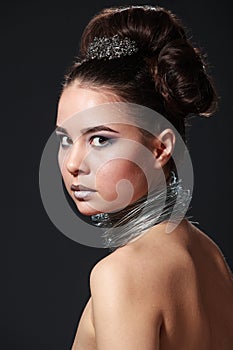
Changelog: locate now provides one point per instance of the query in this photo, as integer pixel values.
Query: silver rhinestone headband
(113, 47)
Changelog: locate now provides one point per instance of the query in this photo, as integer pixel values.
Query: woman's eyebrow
(88, 130)
(60, 129)
(97, 128)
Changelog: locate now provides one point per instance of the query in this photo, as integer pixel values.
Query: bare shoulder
(145, 273)
(151, 265)
(112, 269)
(150, 286)
(124, 316)
(118, 270)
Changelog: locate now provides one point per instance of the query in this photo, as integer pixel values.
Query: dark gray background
(47, 274)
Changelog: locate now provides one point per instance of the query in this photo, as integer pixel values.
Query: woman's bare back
(198, 301)
(201, 314)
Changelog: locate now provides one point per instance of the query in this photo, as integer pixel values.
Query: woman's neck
(127, 224)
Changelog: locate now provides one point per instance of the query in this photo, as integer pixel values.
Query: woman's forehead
(81, 108)
(85, 109)
(84, 123)
(75, 99)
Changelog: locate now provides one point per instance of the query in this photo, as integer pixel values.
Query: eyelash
(70, 142)
(109, 141)
(61, 139)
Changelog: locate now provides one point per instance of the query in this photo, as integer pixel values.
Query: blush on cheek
(114, 171)
(106, 180)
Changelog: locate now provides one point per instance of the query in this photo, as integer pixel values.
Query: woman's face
(99, 160)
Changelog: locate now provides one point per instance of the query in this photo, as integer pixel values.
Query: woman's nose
(76, 160)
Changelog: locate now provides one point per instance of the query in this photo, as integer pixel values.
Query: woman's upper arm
(123, 318)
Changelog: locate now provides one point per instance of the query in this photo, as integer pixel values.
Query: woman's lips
(81, 192)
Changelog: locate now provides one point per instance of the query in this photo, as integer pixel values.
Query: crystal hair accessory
(110, 48)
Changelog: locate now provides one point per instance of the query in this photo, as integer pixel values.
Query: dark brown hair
(167, 74)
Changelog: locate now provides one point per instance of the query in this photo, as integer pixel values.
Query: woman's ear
(163, 146)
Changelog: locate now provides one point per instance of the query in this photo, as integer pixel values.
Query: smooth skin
(94, 160)
(160, 291)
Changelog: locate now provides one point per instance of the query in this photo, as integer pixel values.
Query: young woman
(155, 291)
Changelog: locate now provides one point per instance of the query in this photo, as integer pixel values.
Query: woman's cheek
(66, 179)
(108, 176)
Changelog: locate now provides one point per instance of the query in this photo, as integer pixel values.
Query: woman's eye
(99, 141)
(65, 141)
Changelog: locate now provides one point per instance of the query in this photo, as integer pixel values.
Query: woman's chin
(86, 209)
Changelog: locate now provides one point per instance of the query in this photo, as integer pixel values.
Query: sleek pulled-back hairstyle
(167, 74)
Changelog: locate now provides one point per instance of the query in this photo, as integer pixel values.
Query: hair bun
(180, 77)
